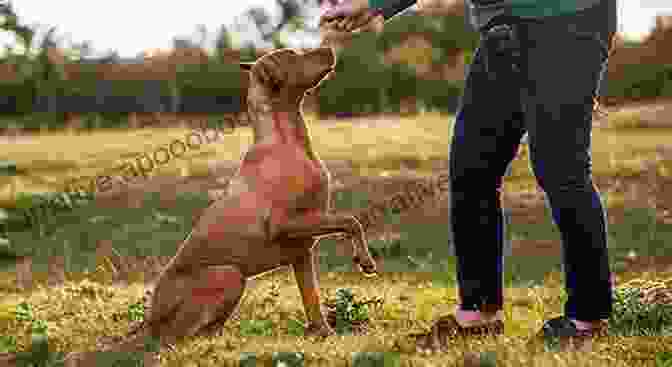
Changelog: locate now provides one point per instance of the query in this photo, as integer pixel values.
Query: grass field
(418, 286)
(414, 141)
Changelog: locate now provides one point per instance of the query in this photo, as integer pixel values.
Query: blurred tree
(202, 32)
(248, 53)
(293, 14)
(183, 43)
(36, 64)
(111, 57)
(223, 42)
(82, 50)
(10, 23)
(361, 83)
(34, 61)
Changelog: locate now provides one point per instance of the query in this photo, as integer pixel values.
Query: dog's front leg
(308, 227)
(306, 272)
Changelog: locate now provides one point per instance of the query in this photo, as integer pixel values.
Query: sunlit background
(131, 27)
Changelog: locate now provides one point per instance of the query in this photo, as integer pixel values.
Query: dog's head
(289, 73)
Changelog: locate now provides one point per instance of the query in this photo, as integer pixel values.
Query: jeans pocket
(591, 24)
(604, 43)
(502, 49)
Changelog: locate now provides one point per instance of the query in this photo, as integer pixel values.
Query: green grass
(269, 323)
(415, 291)
(153, 230)
(272, 314)
(637, 230)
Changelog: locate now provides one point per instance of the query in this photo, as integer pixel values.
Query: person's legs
(563, 59)
(487, 134)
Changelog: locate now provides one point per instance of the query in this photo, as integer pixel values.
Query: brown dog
(276, 208)
(274, 212)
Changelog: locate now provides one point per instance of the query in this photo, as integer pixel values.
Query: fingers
(329, 23)
(351, 23)
(375, 25)
(365, 23)
(343, 11)
(330, 20)
(269, 72)
(338, 32)
(345, 8)
(364, 20)
(347, 21)
(333, 36)
(334, 39)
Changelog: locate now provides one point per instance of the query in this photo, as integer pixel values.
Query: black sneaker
(561, 333)
(447, 328)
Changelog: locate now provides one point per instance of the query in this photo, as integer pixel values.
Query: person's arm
(350, 15)
(353, 8)
(390, 8)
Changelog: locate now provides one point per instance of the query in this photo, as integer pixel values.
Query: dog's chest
(280, 165)
(282, 171)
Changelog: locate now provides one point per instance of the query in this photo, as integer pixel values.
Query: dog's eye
(275, 88)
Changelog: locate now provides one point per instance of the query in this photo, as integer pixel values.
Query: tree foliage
(364, 84)
(11, 24)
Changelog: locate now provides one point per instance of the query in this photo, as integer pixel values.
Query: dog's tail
(415, 195)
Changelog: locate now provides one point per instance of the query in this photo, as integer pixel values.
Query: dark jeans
(541, 79)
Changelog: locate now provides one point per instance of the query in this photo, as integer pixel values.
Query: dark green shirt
(482, 11)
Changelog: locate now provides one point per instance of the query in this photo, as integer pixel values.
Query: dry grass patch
(639, 116)
(625, 119)
(389, 144)
(53, 159)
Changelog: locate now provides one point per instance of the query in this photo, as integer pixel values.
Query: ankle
(585, 325)
(471, 318)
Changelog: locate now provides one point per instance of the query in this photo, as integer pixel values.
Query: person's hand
(339, 36)
(344, 8)
(348, 15)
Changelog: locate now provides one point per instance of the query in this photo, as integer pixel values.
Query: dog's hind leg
(206, 296)
(224, 311)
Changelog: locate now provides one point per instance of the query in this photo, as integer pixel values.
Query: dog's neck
(275, 122)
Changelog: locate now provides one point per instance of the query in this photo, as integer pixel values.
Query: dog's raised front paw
(367, 266)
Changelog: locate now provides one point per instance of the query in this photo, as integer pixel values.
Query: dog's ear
(246, 66)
